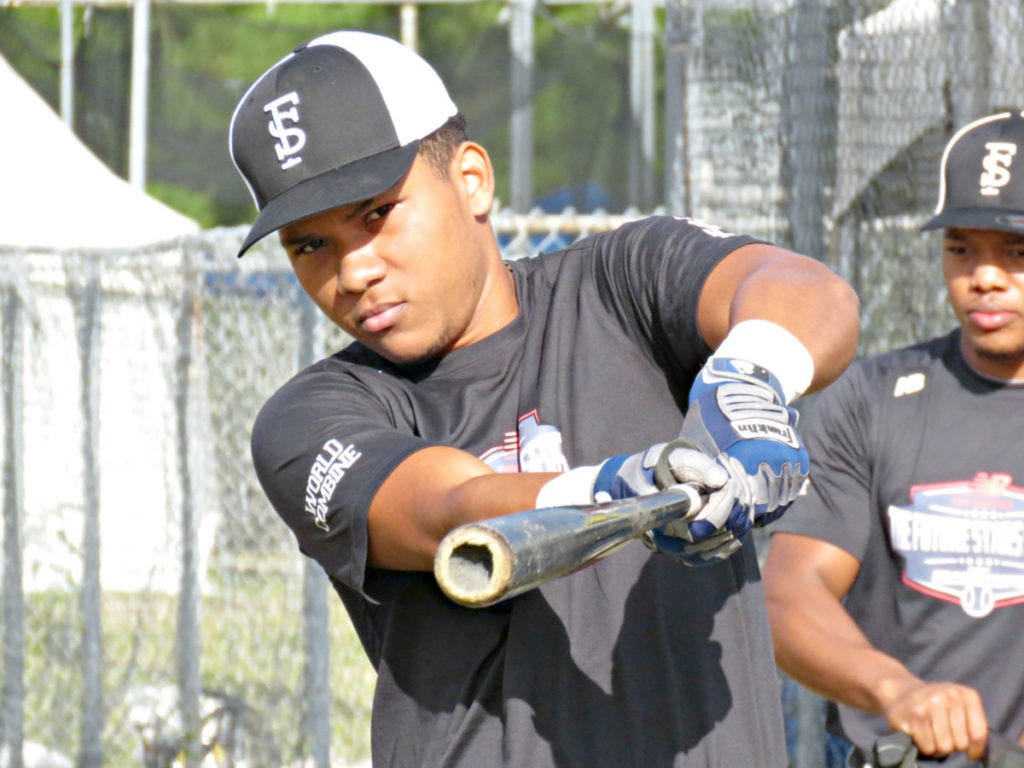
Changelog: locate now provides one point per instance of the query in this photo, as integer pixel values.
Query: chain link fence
(156, 612)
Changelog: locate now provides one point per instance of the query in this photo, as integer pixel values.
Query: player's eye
(379, 213)
(309, 246)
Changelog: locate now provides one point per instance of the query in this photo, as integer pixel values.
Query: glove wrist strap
(773, 347)
(569, 489)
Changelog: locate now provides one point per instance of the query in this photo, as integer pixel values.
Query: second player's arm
(819, 645)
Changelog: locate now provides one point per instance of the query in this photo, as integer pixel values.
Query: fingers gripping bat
(897, 750)
(482, 563)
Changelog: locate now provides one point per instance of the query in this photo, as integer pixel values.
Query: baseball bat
(480, 564)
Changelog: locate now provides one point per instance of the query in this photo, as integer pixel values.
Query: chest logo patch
(533, 447)
(963, 541)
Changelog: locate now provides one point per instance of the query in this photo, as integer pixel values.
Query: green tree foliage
(203, 57)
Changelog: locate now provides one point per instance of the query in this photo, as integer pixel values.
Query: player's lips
(380, 317)
(991, 318)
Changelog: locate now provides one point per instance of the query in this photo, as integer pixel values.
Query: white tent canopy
(55, 193)
(64, 215)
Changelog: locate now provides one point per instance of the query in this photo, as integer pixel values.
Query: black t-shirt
(914, 460)
(636, 661)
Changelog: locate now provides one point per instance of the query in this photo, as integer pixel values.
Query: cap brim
(351, 183)
(976, 218)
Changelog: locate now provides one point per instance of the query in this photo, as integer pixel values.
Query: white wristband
(773, 347)
(571, 488)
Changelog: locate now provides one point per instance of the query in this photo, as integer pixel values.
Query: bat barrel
(481, 563)
(473, 565)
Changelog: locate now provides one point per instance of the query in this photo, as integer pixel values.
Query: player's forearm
(819, 646)
(434, 491)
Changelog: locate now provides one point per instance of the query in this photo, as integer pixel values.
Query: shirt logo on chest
(532, 447)
(963, 541)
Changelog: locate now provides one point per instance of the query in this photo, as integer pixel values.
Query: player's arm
(433, 491)
(805, 297)
(819, 645)
(780, 324)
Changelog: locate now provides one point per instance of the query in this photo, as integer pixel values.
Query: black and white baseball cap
(336, 121)
(981, 183)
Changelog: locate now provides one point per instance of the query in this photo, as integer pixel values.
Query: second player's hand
(941, 717)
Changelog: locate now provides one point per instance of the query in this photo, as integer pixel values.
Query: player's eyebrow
(348, 212)
(296, 239)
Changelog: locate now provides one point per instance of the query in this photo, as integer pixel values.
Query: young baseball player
(476, 387)
(896, 584)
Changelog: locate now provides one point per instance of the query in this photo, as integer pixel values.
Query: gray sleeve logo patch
(325, 474)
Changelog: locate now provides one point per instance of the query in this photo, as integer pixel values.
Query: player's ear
(474, 170)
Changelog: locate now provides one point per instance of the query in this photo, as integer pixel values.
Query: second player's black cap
(981, 184)
(336, 121)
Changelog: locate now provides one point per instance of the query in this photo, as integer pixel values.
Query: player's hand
(941, 718)
(738, 409)
(720, 526)
(628, 475)
(714, 532)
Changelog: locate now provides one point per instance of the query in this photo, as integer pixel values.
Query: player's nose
(989, 274)
(360, 268)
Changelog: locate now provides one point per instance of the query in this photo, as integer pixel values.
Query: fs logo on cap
(997, 166)
(290, 140)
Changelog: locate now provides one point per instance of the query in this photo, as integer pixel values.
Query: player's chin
(408, 351)
(1004, 345)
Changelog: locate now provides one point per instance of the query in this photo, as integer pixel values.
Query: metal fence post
(642, 108)
(809, 118)
(521, 128)
(12, 716)
(966, 25)
(67, 63)
(409, 21)
(316, 677)
(677, 42)
(140, 94)
(188, 639)
(86, 301)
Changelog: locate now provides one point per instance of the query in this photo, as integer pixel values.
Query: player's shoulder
(653, 249)
(662, 228)
(343, 379)
(894, 374)
(918, 357)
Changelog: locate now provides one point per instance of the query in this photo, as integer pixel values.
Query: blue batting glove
(628, 475)
(718, 546)
(716, 530)
(719, 527)
(710, 533)
(738, 409)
